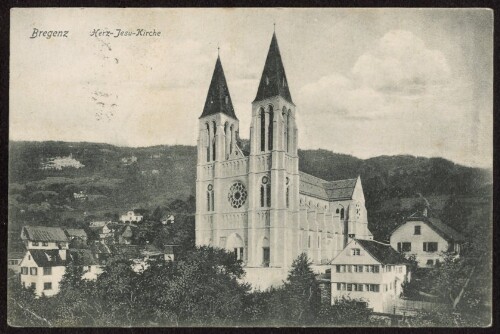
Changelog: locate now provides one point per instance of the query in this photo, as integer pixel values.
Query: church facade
(258, 204)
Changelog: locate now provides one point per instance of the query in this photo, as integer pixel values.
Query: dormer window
(284, 82)
(267, 80)
(227, 99)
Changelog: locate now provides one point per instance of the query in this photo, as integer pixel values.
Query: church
(258, 204)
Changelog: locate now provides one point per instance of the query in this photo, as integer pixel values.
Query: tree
(345, 312)
(302, 292)
(203, 288)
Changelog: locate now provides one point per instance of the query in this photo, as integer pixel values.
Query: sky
(366, 82)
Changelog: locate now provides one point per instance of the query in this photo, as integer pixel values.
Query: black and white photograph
(250, 167)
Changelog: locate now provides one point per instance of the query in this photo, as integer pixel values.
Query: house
(81, 196)
(43, 269)
(131, 216)
(43, 237)
(427, 238)
(13, 261)
(124, 234)
(98, 223)
(102, 233)
(169, 219)
(370, 271)
(76, 233)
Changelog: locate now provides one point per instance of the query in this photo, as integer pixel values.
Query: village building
(13, 261)
(427, 238)
(76, 233)
(124, 234)
(43, 269)
(131, 217)
(168, 219)
(369, 271)
(258, 204)
(44, 237)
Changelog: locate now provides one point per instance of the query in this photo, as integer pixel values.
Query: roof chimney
(62, 254)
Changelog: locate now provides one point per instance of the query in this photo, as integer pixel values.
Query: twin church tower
(257, 204)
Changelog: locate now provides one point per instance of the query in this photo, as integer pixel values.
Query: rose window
(237, 195)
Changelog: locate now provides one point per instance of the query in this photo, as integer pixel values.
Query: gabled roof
(43, 233)
(218, 97)
(47, 257)
(445, 231)
(52, 257)
(340, 189)
(75, 233)
(81, 257)
(381, 252)
(15, 255)
(273, 81)
(326, 190)
(312, 186)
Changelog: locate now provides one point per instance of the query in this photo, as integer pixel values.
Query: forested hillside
(52, 183)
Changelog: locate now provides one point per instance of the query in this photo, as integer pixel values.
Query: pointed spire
(218, 97)
(273, 81)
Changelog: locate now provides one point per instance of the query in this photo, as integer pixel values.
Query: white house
(43, 269)
(43, 237)
(13, 261)
(370, 271)
(427, 238)
(131, 216)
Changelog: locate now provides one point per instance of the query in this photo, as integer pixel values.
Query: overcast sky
(366, 82)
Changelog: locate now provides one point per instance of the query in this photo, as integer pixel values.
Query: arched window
(208, 144)
(262, 130)
(290, 130)
(227, 139)
(231, 140)
(210, 198)
(287, 196)
(214, 139)
(285, 132)
(270, 128)
(265, 192)
(342, 213)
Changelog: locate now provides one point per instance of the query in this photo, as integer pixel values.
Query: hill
(55, 182)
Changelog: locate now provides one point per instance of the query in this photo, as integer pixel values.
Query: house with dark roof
(371, 271)
(76, 233)
(44, 237)
(43, 269)
(428, 238)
